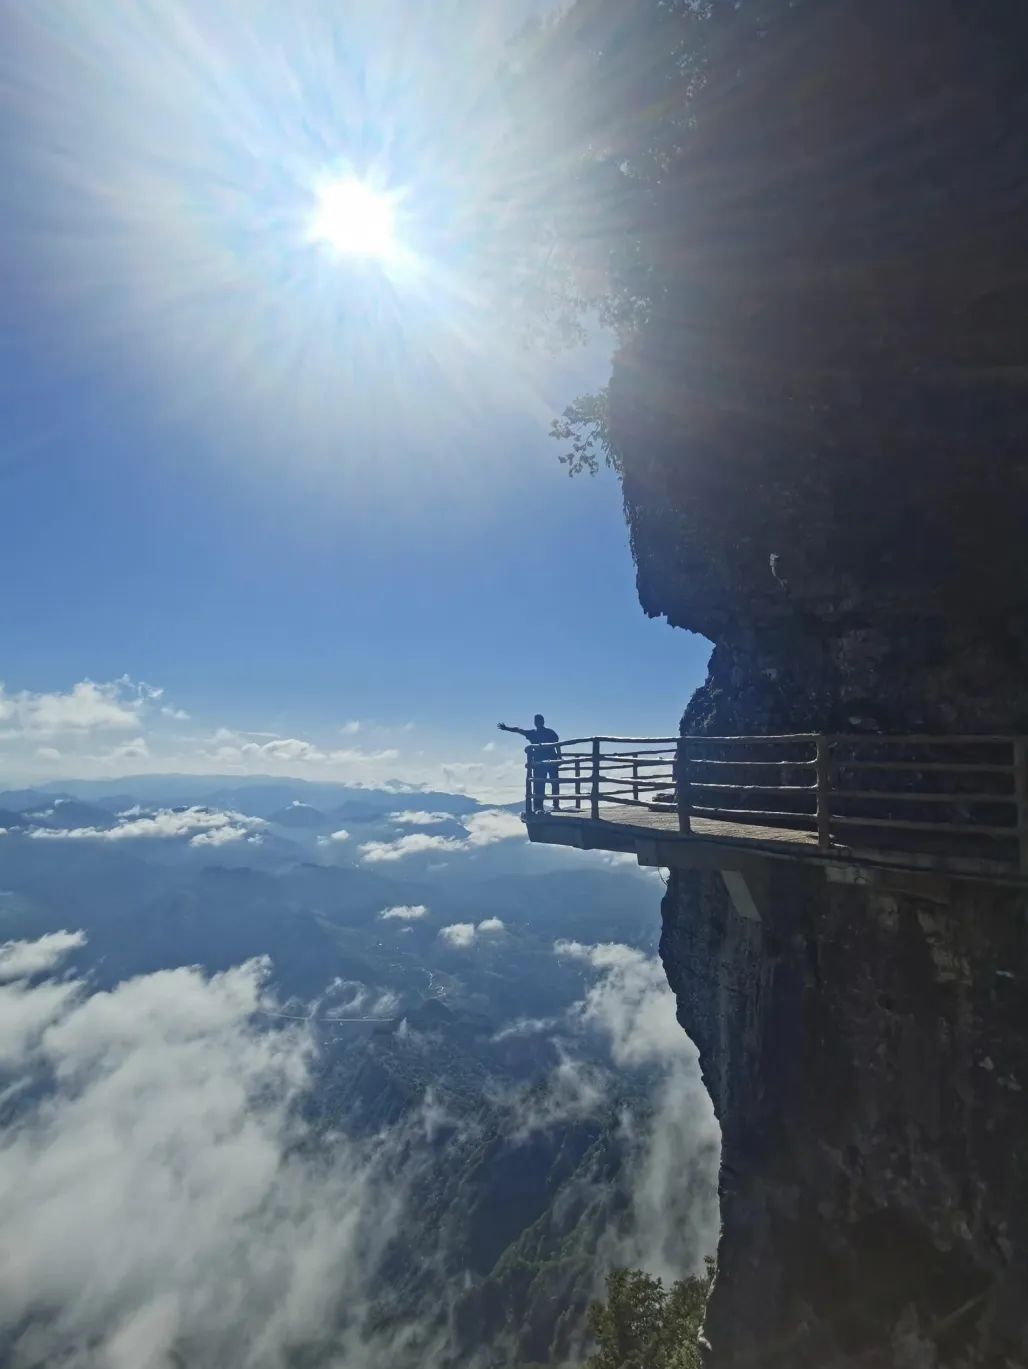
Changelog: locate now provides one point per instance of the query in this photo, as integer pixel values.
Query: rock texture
(824, 435)
(823, 423)
(867, 1053)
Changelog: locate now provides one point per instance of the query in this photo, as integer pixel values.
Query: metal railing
(921, 793)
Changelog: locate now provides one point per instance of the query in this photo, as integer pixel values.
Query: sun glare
(353, 219)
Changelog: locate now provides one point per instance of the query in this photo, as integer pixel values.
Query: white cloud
(365, 757)
(459, 934)
(23, 959)
(489, 746)
(407, 912)
(492, 825)
(418, 817)
(164, 823)
(166, 1192)
(465, 934)
(483, 829)
(413, 844)
(239, 749)
(178, 714)
(135, 750)
(500, 782)
(86, 707)
(171, 1200)
(48, 753)
(218, 836)
(351, 728)
(673, 1215)
(525, 1026)
(334, 838)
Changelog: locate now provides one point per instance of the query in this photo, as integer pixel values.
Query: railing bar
(909, 796)
(905, 824)
(607, 764)
(763, 765)
(948, 767)
(616, 795)
(916, 739)
(758, 788)
(729, 813)
(853, 739)
(805, 737)
(713, 741)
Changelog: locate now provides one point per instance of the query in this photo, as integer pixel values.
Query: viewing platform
(853, 804)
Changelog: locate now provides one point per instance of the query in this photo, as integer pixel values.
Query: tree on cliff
(643, 1325)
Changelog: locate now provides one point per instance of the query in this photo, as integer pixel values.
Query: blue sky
(311, 500)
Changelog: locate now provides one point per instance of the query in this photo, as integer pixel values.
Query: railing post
(635, 779)
(823, 771)
(595, 804)
(683, 790)
(528, 781)
(1021, 790)
(578, 784)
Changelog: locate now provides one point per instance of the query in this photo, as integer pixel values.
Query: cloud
(483, 829)
(459, 934)
(351, 728)
(413, 844)
(170, 1202)
(334, 838)
(492, 825)
(178, 714)
(489, 746)
(525, 1026)
(23, 959)
(238, 749)
(218, 836)
(86, 707)
(163, 824)
(417, 817)
(406, 912)
(464, 934)
(135, 750)
(48, 753)
(496, 783)
(674, 1151)
(173, 1201)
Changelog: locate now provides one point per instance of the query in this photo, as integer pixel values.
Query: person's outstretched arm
(504, 728)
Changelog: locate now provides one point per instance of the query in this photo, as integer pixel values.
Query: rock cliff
(824, 436)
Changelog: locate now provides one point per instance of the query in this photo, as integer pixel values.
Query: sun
(353, 219)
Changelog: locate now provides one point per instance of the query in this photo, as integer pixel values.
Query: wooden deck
(711, 829)
(654, 838)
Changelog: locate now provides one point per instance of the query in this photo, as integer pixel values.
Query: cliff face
(824, 434)
(867, 1053)
(824, 421)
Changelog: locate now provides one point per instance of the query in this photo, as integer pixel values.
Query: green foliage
(643, 1325)
(585, 425)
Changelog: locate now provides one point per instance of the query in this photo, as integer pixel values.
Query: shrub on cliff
(643, 1325)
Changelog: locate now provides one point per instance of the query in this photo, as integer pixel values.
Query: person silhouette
(545, 761)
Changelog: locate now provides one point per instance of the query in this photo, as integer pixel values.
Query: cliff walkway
(956, 805)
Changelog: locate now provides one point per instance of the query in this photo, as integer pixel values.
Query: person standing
(545, 760)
